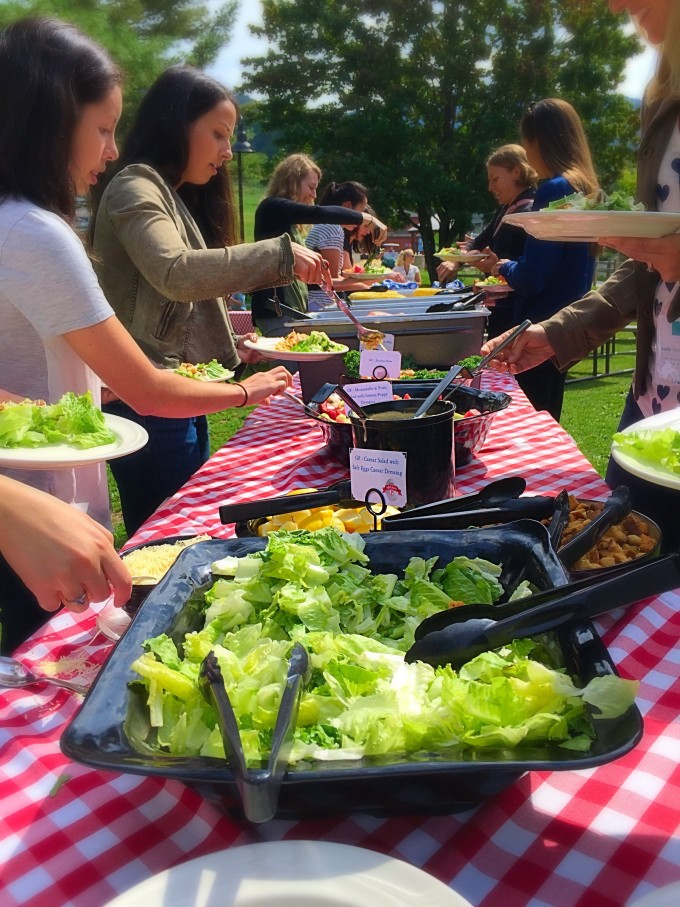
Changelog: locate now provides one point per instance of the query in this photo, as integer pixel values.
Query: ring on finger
(76, 601)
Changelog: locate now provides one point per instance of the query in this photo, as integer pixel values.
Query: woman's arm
(139, 212)
(112, 353)
(58, 551)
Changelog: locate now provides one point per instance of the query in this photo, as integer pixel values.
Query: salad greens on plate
(205, 371)
(597, 201)
(661, 447)
(362, 699)
(73, 420)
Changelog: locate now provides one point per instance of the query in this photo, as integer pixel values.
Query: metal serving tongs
(370, 338)
(259, 788)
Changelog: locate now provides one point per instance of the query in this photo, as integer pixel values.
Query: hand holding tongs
(259, 788)
(370, 338)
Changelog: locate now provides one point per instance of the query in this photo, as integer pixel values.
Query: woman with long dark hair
(164, 243)
(58, 113)
(330, 240)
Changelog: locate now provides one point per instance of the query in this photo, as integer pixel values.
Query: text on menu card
(381, 469)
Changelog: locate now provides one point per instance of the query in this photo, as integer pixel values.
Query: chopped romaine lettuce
(660, 447)
(361, 698)
(73, 420)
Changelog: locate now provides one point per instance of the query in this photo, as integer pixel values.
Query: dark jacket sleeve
(276, 215)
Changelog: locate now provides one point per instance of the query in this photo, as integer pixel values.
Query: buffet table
(74, 837)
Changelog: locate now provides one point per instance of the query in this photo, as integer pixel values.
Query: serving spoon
(15, 674)
(369, 337)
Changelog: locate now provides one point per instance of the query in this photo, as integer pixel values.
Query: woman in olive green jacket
(163, 242)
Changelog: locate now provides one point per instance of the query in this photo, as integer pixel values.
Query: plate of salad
(204, 371)
(294, 347)
(71, 432)
(650, 449)
(453, 253)
(585, 218)
(493, 286)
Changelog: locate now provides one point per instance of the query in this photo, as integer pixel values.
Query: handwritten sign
(381, 469)
(379, 364)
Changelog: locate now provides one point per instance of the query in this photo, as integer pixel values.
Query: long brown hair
(49, 70)
(159, 137)
(557, 129)
(665, 84)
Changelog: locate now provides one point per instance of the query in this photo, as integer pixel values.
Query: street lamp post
(240, 147)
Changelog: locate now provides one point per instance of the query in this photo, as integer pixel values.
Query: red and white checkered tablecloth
(74, 837)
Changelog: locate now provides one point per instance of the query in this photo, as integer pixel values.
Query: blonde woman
(405, 266)
(645, 288)
(288, 205)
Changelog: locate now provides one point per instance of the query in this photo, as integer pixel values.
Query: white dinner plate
(496, 289)
(292, 874)
(461, 256)
(587, 226)
(650, 471)
(266, 346)
(129, 438)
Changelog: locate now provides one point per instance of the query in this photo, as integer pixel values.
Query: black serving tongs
(456, 636)
(341, 493)
(456, 305)
(491, 495)
(259, 788)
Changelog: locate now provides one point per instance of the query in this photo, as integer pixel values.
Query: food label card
(387, 343)
(379, 364)
(381, 469)
(369, 392)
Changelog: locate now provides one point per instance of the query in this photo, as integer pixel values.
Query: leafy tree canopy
(410, 96)
(143, 36)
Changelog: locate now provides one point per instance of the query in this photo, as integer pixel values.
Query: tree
(143, 36)
(410, 96)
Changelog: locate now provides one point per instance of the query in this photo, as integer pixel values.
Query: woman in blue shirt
(550, 275)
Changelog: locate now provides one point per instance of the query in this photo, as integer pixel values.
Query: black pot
(427, 443)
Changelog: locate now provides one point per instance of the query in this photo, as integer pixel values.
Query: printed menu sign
(381, 469)
(370, 392)
(379, 364)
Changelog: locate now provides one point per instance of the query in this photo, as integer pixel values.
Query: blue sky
(227, 68)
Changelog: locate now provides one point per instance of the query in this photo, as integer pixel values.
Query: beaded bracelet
(245, 394)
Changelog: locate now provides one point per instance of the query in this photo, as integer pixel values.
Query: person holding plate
(166, 253)
(645, 287)
(547, 276)
(512, 182)
(329, 240)
(59, 333)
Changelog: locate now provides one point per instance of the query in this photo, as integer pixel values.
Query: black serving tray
(105, 732)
